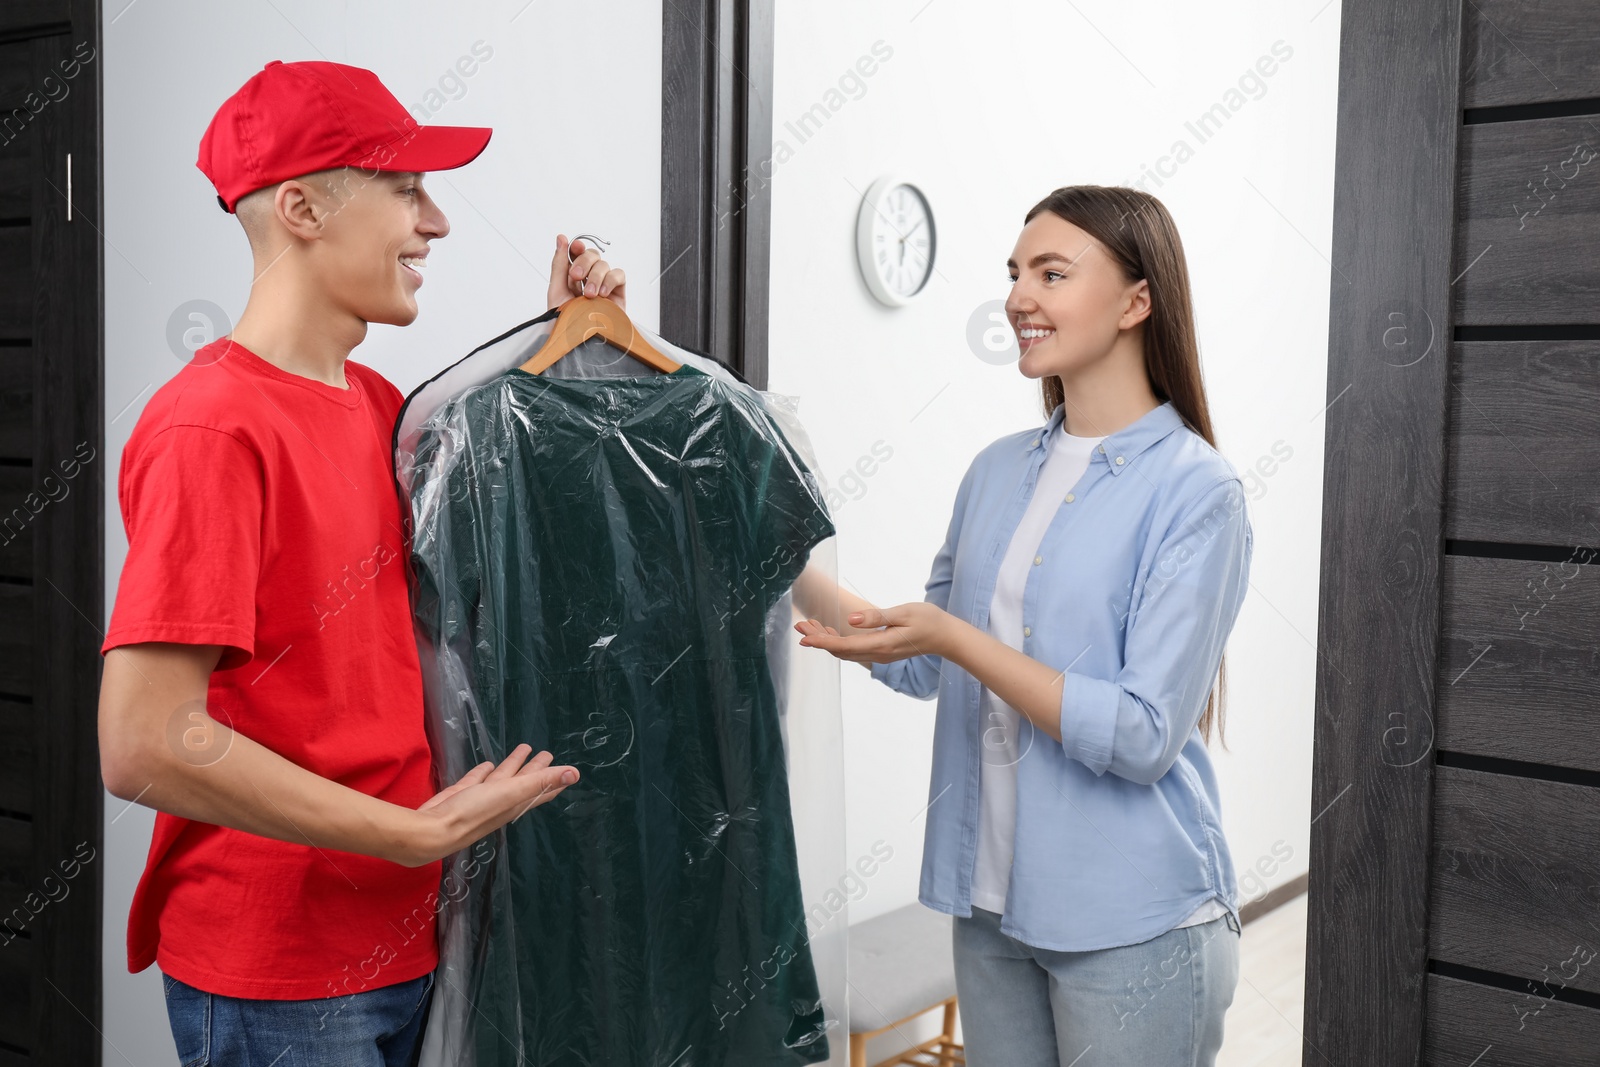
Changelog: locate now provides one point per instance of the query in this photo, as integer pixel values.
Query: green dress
(594, 575)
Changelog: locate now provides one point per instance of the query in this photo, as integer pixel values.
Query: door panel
(51, 534)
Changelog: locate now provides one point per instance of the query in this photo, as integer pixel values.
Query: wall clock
(895, 241)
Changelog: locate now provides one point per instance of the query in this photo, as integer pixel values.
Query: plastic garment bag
(602, 556)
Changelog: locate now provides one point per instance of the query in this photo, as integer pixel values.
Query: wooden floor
(1263, 1026)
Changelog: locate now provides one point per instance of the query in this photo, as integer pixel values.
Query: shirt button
(1102, 450)
(1119, 461)
(1037, 560)
(1034, 443)
(1027, 631)
(1070, 498)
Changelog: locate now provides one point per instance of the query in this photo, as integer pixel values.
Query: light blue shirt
(1133, 593)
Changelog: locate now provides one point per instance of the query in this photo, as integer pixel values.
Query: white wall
(988, 108)
(171, 63)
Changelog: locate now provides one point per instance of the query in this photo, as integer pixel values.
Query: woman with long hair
(1073, 632)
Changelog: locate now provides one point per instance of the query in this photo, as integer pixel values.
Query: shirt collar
(1119, 450)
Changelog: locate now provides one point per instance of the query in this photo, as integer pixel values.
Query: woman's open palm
(914, 629)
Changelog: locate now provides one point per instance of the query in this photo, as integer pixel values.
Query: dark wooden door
(52, 475)
(1455, 868)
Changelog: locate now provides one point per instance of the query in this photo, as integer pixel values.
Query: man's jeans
(374, 1028)
(1159, 1002)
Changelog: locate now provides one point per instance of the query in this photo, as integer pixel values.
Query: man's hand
(483, 800)
(586, 275)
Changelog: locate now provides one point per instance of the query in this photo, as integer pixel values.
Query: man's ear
(301, 211)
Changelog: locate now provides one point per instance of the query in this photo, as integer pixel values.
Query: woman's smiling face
(1069, 300)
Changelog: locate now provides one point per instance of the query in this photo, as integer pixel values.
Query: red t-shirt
(262, 516)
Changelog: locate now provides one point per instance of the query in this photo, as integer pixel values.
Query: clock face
(895, 241)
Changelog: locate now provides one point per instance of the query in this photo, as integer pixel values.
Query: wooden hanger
(584, 317)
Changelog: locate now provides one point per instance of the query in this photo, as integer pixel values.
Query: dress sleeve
(790, 517)
(1136, 724)
(446, 570)
(442, 564)
(192, 505)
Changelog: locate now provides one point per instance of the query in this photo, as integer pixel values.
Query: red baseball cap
(292, 119)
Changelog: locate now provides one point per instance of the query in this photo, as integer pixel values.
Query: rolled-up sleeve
(1136, 725)
(917, 676)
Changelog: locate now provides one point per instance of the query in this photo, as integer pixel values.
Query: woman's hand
(923, 629)
(915, 629)
(586, 275)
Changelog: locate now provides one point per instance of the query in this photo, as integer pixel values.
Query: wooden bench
(901, 967)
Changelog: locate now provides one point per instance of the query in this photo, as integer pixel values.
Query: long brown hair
(1142, 239)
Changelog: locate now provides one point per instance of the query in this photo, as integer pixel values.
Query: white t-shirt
(1006, 737)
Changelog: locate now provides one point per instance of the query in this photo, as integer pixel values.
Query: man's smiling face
(373, 242)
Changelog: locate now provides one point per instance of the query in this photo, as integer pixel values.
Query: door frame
(1383, 511)
(716, 211)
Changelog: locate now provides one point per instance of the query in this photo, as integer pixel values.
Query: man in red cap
(262, 688)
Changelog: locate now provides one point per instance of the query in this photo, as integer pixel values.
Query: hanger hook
(601, 241)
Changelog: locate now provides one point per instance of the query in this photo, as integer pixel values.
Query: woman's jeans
(1159, 1003)
(374, 1028)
